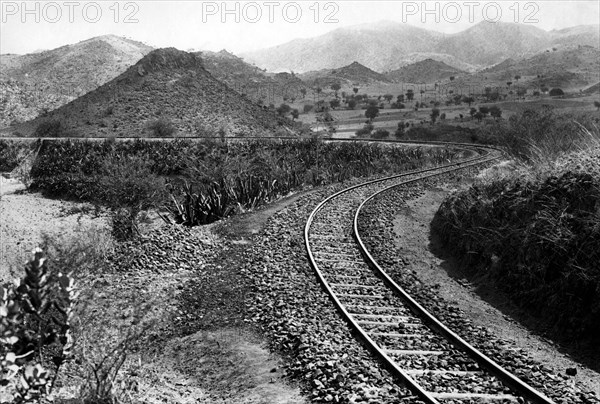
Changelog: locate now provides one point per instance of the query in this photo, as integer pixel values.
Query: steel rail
(511, 380)
(390, 364)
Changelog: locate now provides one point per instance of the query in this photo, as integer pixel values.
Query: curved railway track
(434, 362)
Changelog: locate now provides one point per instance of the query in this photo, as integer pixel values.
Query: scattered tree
(556, 92)
(469, 100)
(283, 110)
(336, 87)
(355, 89)
(410, 95)
(400, 130)
(327, 120)
(295, 113)
(372, 112)
(388, 98)
(484, 110)
(434, 115)
(334, 103)
(495, 111)
(597, 105)
(351, 103)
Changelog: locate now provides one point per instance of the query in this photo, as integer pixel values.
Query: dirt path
(412, 229)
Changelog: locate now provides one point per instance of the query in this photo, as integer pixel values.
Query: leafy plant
(36, 317)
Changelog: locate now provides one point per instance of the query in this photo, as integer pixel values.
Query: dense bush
(380, 134)
(541, 134)
(162, 128)
(538, 240)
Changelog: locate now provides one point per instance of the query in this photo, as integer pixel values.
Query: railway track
(434, 362)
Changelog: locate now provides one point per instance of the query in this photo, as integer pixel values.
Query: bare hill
(351, 75)
(33, 83)
(426, 71)
(168, 84)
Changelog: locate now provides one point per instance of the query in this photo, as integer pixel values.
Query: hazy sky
(242, 26)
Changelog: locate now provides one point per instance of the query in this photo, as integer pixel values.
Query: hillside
(32, 83)
(488, 43)
(351, 75)
(426, 71)
(166, 83)
(386, 46)
(566, 68)
(249, 80)
(232, 70)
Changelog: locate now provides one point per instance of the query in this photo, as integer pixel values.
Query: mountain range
(387, 46)
(34, 84)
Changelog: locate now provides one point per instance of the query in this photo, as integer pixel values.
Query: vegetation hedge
(536, 233)
(215, 178)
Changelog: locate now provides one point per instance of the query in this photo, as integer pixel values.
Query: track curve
(413, 345)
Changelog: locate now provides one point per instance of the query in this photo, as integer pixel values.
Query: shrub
(366, 130)
(49, 128)
(162, 127)
(380, 134)
(128, 186)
